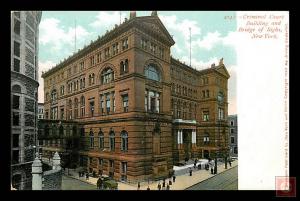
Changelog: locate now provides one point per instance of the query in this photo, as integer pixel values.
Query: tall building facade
(233, 135)
(40, 110)
(136, 111)
(24, 89)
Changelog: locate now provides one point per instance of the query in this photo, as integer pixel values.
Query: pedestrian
(168, 187)
(159, 186)
(212, 170)
(87, 176)
(190, 171)
(174, 178)
(99, 182)
(139, 186)
(148, 189)
(230, 163)
(170, 182)
(164, 184)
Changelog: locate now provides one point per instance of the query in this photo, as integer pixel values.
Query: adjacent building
(233, 135)
(123, 107)
(40, 110)
(24, 90)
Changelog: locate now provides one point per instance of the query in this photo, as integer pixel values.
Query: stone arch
(103, 67)
(18, 180)
(157, 65)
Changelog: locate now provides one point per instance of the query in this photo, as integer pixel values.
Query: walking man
(174, 178)
(191, 171)
(159, 186)
(139, 186)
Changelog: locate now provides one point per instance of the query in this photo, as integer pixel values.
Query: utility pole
(75, 37)
(190, 47)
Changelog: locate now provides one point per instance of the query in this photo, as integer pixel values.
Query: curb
(210, 177)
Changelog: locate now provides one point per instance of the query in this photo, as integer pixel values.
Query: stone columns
(37, 173)
(56, 161)
(193, 136)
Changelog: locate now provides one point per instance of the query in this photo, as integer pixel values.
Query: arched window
(151, 72)
(16, 89)
(112, 140)
(61, 131)
(70, 109)
(101, 140)
(82, 106)
(75, 108)
(220, 97)
(124, 66)
(107, 76)
(54, 130)
(53, 95)
(124, 141)
(46, 130)
(91, 139)
(206, 138)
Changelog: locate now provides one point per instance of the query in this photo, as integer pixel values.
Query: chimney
(132, 14)
(154, 13)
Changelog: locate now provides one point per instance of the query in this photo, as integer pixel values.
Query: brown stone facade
(137, 111)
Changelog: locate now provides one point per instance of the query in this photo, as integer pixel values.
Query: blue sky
(212, 37)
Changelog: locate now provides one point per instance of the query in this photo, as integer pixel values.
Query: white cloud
(213, 38)
(209, 40)
(43, 66)
(56, 36)
(198, 64)
(108, 19)
(173, 24)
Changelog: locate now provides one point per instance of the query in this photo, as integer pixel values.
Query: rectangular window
(100, 162)
(124, 167)
(16, 119)
(81, 64)
(232, 130)
(205, 115)
(62, 113)
(101, 142)
(231, 123)
(111, 164)
(144, 44)
(92, 142)
(15, 140)
(106, 53)
(16, 49)
(16, 102)
(235, 150)
(125, 44)
(102, 104)
(107, 103)
(152, 102)
(125, 103)
(232, 140)
(92, 60)
(17, 27)
(16, 65)
(15, 157)
(92, 108)
(220, 113)
(99, 57)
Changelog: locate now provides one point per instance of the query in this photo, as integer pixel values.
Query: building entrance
(187, 143)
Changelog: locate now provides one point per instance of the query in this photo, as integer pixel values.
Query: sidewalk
(182, 181)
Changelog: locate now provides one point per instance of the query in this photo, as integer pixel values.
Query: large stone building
(233, 135)
(134, 109)
(40, 110)
(24, 88)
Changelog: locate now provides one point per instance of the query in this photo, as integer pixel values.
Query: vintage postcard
(150, 100)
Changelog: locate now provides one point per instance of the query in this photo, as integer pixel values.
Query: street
(227, 180)
(69, 183)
